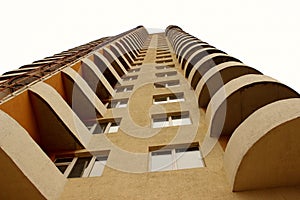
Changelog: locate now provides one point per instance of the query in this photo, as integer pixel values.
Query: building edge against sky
(147, 116)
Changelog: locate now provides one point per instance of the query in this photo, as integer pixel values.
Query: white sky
(263, 34)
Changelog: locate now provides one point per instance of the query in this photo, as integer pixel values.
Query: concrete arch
(264, 150)
(239, 98)
(83, 99)
(108, 65)
(128, 50)
(207, 63)
(186, 47)
(177, 38)
(50, 105)
(181, 43)
(17, 147)
(217, 77)
(194, 59)
(114, 61)
(189, 52)
(124, 52)
(121, 56)
(94, 80)
(133, 48)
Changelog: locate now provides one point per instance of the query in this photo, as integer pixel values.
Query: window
(105, 126)
(171, 119)
(168, 98)
(127, 88)
(82, 166)
(165, 67)
(175, 157)
(166, 74)
(167, 84)
(134, 70)
(129, 78)
(118, 103)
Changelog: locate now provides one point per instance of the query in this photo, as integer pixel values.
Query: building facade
(147, 116)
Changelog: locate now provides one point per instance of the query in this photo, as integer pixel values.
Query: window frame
(174, 165)
(107, 123)
(179, 97)
(126, 88)
(167, 84)
(172, 119)
(86, 172)
(117, 102)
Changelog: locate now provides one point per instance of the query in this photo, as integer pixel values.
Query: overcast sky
(264, 34)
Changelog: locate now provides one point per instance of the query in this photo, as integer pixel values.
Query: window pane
(122, 105)
(188, 159)
(113, 128)
(160, 122)
(161, 161)
(79, 167)
(62, 168)
(180, 120)
(100, 128)
(98, 166)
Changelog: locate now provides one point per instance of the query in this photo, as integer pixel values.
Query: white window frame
(169, 99)
(109, 126)
(127, 88)
(89, 168)
(166, 74)
(174, 159)
(130, 78)
(119, 103)
(167, 84)
(171, 120)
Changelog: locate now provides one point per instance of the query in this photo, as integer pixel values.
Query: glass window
(82, 166)
(172, 119)
(176, 158)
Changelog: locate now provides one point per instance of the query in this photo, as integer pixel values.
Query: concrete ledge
(264, 150)
(26, 171)
(217, 77)
(239, 98)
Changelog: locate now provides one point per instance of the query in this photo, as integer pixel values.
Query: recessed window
(118, 103)
(168, 98)
(127, 88)
(164, 61)
(164, 67)
(166, 74)
(134, 70)
(171, 119)
(175, 157)
(167, 84)
(82, 166)
(130, 78)
(105, 126)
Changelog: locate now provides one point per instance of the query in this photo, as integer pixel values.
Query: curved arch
(114, 61)
(186, 47)
(189, 52)
(81, 97)
(181, 43)
(178, 38)
(121, 55)
(264, 150)
(197, 58)
(217, 77)
(239, 98)
(50, 103)
(207, 63)
(96, 80)
(16, 149)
